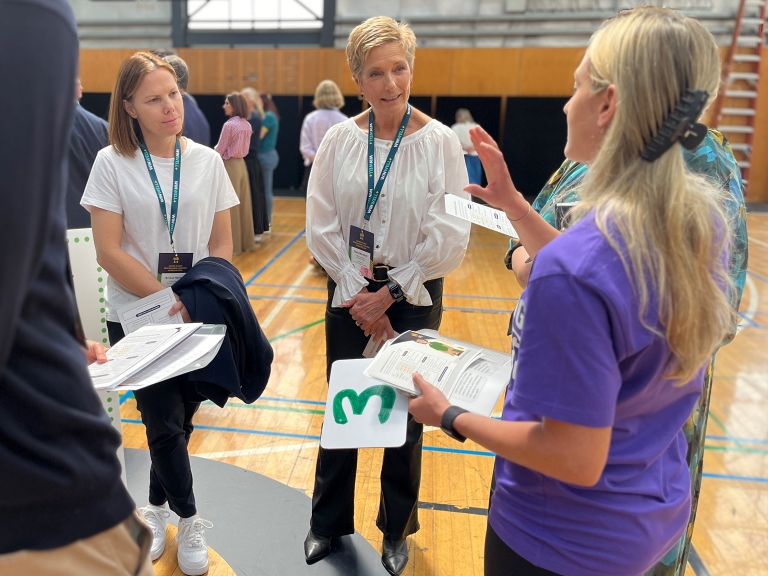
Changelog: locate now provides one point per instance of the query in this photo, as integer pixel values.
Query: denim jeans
(268, 161)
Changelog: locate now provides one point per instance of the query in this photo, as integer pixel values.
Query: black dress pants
(501, 560)
(333, 501)
(166, 411)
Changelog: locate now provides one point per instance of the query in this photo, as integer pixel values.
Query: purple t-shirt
(581, 355)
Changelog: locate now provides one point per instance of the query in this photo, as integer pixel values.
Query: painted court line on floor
(426, 448)
(262, 450)
(275, 257)
(280, 305)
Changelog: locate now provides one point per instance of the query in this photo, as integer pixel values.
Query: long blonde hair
(671, 222)
(253, 96)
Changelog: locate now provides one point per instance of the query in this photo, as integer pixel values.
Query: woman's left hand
(179, 307)
(96, 352)
(430, 406)
(367, 307)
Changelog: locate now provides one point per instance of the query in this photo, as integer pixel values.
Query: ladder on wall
(736, 105)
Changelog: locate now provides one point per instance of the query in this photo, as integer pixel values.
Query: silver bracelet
(521, 217)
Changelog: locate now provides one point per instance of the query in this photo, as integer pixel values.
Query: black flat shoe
(394, 555)
(317, 547)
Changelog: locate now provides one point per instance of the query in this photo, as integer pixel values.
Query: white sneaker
(257, 238)
(193, 551)
(157, 519)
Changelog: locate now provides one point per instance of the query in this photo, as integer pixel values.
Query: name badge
(361, 250)
(171, 267)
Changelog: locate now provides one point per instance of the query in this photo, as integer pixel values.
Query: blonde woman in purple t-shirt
(620, 316)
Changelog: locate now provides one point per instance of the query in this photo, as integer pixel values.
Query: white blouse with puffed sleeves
(413, 232)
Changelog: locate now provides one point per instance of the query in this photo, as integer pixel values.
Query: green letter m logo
(386, 393)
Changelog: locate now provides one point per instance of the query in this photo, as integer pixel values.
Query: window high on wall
(254, 14)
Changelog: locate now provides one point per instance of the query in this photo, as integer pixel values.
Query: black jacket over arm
(213, 293)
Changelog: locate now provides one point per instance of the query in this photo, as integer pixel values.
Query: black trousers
(333, 501)
(166, 411)
(501, 560)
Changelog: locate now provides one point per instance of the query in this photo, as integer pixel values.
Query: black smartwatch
(446, 422)
(395, 291)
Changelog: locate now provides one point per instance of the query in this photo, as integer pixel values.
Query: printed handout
(479, 214)
(152, 309)
(470, 376)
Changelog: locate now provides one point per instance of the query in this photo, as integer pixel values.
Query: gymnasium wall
(517, 94)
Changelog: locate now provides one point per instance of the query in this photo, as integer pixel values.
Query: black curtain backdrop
(535, 130)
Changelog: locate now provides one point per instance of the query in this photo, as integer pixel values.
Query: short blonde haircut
(375, 32)
(253, 96)
(464, 115)
(328, 95)
(124, 131)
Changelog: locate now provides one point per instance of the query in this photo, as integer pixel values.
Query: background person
(593, 435)
(414, 244)
(196, 125)
(233, 145)
(465, 122)
(255, 175)
(268, 156)
(89, 135)
(133, 239)
(328, 100)
(64, 508)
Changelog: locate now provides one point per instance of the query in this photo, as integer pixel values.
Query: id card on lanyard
(171, 266)
(362, 241)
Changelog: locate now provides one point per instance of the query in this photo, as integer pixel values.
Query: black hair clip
(679, 125)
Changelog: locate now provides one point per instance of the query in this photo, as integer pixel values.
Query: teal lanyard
(374, 191)
(176, 177)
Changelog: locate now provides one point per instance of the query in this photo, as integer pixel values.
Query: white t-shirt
(122, 185)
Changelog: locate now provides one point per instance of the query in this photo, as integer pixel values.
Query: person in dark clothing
(196, 126)
(89, 135)
(64, 508)
(258, 198)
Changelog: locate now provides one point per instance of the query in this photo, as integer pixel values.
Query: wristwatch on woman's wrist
(446, 422)
(395, 291)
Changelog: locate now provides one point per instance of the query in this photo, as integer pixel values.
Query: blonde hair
(375, 32)
(671, 222)
(464, 115)
(253, 97)
(124, 131)
(328, 95)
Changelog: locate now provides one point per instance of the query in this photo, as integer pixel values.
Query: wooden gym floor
(278, 435)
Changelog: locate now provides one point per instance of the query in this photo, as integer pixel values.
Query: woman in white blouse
(386, 246)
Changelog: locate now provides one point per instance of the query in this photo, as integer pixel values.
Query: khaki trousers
(241, 215)
(123, 550)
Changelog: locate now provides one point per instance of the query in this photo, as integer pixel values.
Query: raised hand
(500, 192)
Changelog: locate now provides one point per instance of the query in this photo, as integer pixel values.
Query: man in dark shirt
(63, 506)
(89, 135)
(196, 126)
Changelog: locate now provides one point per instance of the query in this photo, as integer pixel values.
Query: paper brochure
(479, 214)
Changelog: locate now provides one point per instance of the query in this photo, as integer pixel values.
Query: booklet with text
(157, 352)
(470, 376)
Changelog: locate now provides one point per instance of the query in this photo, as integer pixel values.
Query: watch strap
(446, 422)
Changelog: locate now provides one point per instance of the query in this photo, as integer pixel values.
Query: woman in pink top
(233, 146)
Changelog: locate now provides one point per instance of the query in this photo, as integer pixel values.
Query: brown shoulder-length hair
(124, 131)
(239, 105)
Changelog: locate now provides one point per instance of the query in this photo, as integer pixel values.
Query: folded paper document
(470, 376)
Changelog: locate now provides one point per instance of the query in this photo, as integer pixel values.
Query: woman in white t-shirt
(159, 203)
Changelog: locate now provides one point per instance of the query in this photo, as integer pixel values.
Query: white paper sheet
(150, 310)
(185, 357)
(137, 351)
(479, 214)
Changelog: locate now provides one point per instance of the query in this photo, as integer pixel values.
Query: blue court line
(761, 278)
(314, 402)
(275, 257)
(125, 396)
(427, 448)
(737, 440)
(738, 478)
(749, 320)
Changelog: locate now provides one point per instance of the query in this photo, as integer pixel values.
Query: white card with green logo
(362, 412)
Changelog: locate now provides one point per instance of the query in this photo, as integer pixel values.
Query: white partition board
(90, 288)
